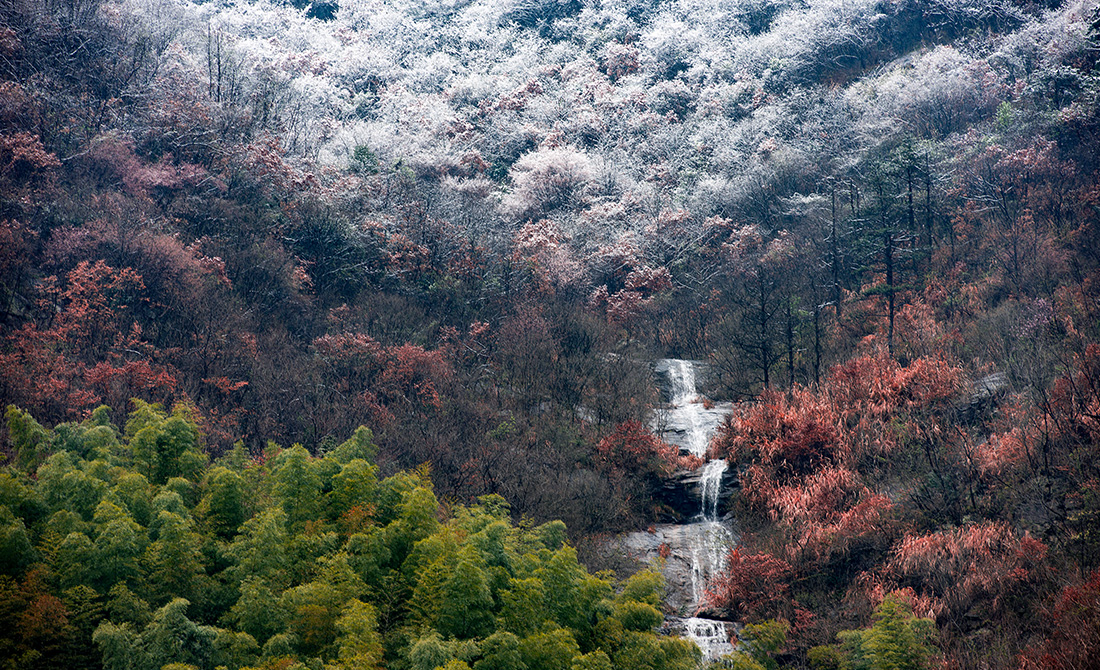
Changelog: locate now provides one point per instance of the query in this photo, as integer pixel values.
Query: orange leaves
(1074, 638)
(634, 449)
(752, 585)
(413, 372)
(793, 433)
(798, 432)
(1001, 453)
(825, 513)
(957, 568)
(806, 453)
(91, 350)
(225, 384)
(545, 252)
(406, 258)
(383, 379)
(23, 157)
(139, 177)
(92, 303)
(878, 385)
(130, 379)
(637, 295)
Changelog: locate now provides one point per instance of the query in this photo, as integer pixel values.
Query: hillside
(472, 226)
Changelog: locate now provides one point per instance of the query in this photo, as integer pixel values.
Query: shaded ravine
(696, 550)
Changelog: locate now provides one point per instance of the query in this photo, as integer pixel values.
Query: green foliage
(644, 586)
(170, 638)
(280, 646)
(118, 547)
(369, 554)
(549, 650)
(357, 636)
(17, 494)
(354, 486)
(638, 616)
(524, 606)
(260, 550)
(173, 638)
(16, 552)
(364, 160)
(94, 438)
(429, 652)
(74, 560)
(164, 446)
(500, 651)
(125, 607)
(825, 657)
(596, 660)
(132, 490)
(314, 607)
(121, 647)
(760, 643)
(297, 486)
(64, 484)
(225, 501)
(400, 581)
(359, 446)
(896, 640)
(257, 611)
(467, 600)
(173, 560)
(766, 639)
(29, 439)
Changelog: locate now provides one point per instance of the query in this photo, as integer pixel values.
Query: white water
(681, 375)
(708, 538)
(710, 488)
(708, 542)
(713, 637)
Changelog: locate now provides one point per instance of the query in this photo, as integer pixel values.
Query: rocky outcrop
(983, 397)
(680, 494)
(688, 554)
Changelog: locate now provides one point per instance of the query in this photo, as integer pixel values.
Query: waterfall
(681, 376)
(712, 636)
(710, 488)
(706, 538)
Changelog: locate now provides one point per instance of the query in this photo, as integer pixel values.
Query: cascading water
(710, 487)
(706, 538)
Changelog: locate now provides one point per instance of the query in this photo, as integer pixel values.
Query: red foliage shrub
(875, 385)
(23, 158)
(544, 251)
(632, 448)
(751, 586)
(1074, 640)
(980, 565)
(794, 434)
(386, 381)
(91, 351)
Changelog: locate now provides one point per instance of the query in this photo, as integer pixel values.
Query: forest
(327, 330)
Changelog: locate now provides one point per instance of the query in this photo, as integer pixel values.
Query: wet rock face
(681, 494)
(687, 419)
(985, 394)
(664, 381)
(689, 554)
